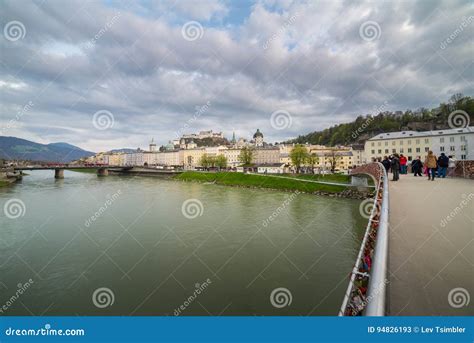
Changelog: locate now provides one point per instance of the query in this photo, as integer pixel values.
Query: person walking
(452, 165)
(395, 167)
(431, 164)
(386, 163)
(417, 166)
(443, 163)
(403, 164)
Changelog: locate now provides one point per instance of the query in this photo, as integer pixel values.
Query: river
(119, 245)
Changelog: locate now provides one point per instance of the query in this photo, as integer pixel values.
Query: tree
(333, 158)
(311, 160)
(246, 156)
(221, 161)
(207, 161)
(298, 156)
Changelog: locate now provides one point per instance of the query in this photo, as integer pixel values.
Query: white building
(271, 168)
(134, 158)
(456, 142)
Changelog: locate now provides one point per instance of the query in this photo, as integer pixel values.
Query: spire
(233, 136)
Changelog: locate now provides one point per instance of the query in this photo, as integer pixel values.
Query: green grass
(259, 181)
(341, 178)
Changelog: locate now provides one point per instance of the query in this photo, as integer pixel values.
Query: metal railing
(372, 302)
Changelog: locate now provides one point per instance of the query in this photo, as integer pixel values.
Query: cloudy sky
(111, 74)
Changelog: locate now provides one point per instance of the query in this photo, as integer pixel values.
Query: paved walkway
(429, 257)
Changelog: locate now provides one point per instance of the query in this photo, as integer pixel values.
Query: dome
(258, 134)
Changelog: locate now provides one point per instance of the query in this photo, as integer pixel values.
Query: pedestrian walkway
(431, 246)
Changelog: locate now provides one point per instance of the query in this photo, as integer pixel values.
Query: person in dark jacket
(395, 167)
(417, 166)
(443, 163)
(386, 163)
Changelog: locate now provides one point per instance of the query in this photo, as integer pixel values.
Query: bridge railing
(366, 292)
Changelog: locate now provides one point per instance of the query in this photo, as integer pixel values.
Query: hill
(12, 148)
(365, 127)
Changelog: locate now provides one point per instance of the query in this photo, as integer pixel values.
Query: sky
(114, 74)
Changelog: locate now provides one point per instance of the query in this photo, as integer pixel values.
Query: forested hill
(365, 127)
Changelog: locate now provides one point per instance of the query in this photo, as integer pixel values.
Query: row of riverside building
(185, 154)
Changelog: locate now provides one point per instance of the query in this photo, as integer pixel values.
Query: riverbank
(263, 181)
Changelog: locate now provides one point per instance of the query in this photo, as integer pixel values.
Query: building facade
(458, 143)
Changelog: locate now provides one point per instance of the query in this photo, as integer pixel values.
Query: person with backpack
(417, 166)
(443, 163)
(431, 164)
(386, 163)
(395, 167)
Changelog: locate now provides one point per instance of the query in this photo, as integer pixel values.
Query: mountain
(22, 149)
(365, 127)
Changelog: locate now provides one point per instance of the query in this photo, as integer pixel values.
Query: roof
(258, 134)
(409, 134)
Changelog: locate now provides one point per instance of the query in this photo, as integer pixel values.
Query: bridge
(417, 258)
(102, 170)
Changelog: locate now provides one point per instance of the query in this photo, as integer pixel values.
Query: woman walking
(430, 163)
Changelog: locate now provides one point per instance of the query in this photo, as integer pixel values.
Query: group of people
(398, 164)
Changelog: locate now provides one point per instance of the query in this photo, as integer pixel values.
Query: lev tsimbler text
(416, 329)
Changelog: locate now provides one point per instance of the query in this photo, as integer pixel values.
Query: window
(393, 143)
(451, 148)
(373, 152)
(441, 140)
(417, 149)
(463, 138)
(463, 148)
(386, 143)
(401, 150)
(409, 150)
(417, 141)
(463, 157)
(409, 158)
(386, 151)
(409, 141)
(394, 151)
(373, 144)
(380, 151)
(401, 142)
(451, 139)
(427, 149)
(441, 148)
(426, 140)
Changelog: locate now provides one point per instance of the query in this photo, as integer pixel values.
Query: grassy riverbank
(257, 181)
